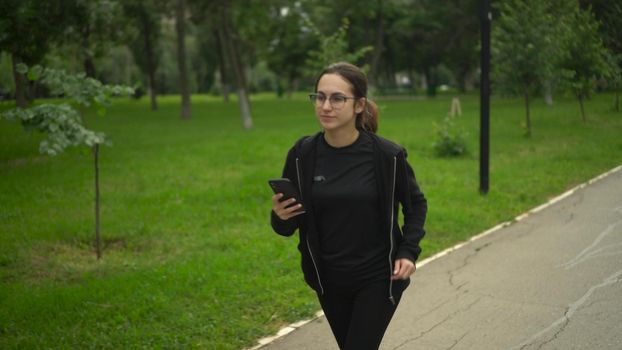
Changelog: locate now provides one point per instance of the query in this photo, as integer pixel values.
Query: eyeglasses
(336, 101)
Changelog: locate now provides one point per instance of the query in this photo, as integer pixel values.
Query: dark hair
(368, 119)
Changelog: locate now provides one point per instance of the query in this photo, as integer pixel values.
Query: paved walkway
(552, 280)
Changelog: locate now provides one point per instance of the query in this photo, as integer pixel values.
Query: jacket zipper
(391, 298)
(317, 272)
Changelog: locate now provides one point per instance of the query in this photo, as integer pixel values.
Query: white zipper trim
(391, 231)
(307, 237)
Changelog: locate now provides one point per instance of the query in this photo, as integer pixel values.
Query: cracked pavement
(552, 280)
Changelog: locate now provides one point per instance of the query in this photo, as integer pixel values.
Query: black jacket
(396, 181)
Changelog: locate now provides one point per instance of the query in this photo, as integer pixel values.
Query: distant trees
(96, 26)
(524, 49)
(609, 15)
(537, 42)
(585, 56)
(242, 46)
(288, 50)
(333, 48)
(145, 17)
(29, 28)
(180, 29)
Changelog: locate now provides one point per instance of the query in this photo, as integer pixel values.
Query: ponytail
(368, 119)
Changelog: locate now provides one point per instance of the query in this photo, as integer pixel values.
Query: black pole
(484, 139)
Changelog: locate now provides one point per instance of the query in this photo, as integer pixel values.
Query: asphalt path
(550, 280)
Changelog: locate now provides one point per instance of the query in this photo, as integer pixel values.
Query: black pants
(359, 316)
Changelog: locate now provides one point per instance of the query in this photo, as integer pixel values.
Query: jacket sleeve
(414, 209)
(286, 227)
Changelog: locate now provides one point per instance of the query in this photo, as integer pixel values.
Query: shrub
(450, 140)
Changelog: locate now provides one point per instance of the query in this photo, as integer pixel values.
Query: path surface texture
(551, 280)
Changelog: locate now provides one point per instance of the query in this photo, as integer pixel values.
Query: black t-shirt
(346, 205)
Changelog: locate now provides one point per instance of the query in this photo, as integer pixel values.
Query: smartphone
(289, 190)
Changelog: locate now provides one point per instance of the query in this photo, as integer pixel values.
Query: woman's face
(337, 117)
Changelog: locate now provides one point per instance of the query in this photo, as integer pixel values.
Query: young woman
(351, 183)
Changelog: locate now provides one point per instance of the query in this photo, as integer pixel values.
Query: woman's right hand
(285, 213)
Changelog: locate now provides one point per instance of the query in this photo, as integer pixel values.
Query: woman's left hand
(402, 269)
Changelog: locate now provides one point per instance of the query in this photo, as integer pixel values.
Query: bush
(450, 140)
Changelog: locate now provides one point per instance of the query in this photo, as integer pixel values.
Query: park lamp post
(484, 139)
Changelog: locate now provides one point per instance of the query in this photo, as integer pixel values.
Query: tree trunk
(238, 70)
(224, 76)
(152, 91)
(180, 23)
(87, 60)
(292, 86)
(430, 78)
(89, 66)
(580, 96)
(378, 47)
(151, 65)
(527, 116)
(462, 82)
(411, 78)
(98, 248)
(20, 83)
(548, 93)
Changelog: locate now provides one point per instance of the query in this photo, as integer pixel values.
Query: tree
(287, 52)
(419, 40)
(561, 31)
(27, 29)
(95, 25)
(524, 49)
(609, 15)
(180, 29)
(462, 51)
(333, 48)
(61, 123)
(586, 57)
(222, 64)
(146, 49)
(230, 47)
(615, 77)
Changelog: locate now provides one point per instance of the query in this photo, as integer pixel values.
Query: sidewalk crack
(570, 310)
(447, 318)
(457, 341)
(465, 263)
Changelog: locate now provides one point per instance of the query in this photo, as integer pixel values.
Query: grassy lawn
(190, 259)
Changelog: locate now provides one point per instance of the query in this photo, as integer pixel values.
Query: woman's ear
(359, 106)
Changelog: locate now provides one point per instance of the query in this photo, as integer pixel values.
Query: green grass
(190, 258)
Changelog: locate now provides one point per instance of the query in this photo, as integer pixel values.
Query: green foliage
(614, 70)
(451, 141)
(29, 27)
(62, 123)
(288, 50)
(615, 76)
(525, 46)
(333, 48)
(586, 58)
(78, 88)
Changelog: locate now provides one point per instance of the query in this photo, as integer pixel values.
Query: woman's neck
(341, 137)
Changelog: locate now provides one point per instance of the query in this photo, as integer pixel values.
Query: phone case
(285, 186)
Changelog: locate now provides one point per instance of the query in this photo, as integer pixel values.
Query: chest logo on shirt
(319, 178)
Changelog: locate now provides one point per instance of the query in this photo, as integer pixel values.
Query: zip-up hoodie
(397, 185)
